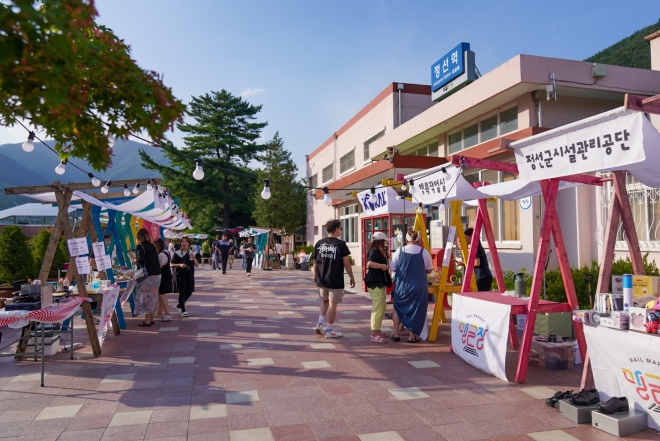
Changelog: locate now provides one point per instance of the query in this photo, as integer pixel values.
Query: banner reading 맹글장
(626, 364)
(479, 333)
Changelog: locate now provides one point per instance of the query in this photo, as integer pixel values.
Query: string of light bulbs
(198, 172)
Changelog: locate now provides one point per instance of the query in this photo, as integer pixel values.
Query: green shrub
(39, 245)
(309, 249)
(16, 261)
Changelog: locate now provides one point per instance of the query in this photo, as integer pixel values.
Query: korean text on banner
(632, 370)
(613, 144)
(436, 186)
(77, 247)
(479, 332)
(107, 309)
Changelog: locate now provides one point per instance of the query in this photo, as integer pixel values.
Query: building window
(366, 153)
(328, 173)
(504, 215)
(349, 223)
(316, 230)
(313, 181)
(347, 162)
(509, 120)
(485, 130)
(645, 207)
(430, 149)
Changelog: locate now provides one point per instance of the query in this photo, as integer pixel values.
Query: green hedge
(16, 261)
(555, 282)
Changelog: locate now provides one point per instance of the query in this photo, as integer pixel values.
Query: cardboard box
(642, 285)
(638, 317)
(616, 320)
(645, 286)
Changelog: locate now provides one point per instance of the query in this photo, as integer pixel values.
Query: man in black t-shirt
(330, 260)
(482, 274)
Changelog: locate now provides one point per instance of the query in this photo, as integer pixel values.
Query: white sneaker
(178, 308)
(166, 318)
(318, 328)
(249, 274)
(184, 314)
(333, 334)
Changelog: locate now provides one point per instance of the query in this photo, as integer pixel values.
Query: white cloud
(250, 91)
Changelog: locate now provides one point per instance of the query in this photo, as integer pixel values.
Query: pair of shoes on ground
(585, 397)
(329, 333)
(166, 318)
(381, 337)
(557, 397)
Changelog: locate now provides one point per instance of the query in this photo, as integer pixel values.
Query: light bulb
(28, 145)
(413, 190)
(61, 168)
(106, 187)
(136, 189)
(127, 192)
(442, 206)
(446, 174)
(403, 187)
(111, 140)
(149, 186)
(95, 181)
(265, 193)
(373, 190)
(199, 172)
(327, 199)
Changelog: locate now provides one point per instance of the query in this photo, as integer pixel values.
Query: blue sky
(314, 64)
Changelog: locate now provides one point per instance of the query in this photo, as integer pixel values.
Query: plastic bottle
(627, 291)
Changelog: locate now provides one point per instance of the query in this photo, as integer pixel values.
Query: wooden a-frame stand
(439, 310)
(619, 211)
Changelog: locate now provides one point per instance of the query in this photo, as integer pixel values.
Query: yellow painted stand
(443, 289)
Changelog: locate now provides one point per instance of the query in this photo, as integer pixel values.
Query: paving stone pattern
(247, 366)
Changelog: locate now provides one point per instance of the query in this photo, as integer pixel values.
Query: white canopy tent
(32, 210)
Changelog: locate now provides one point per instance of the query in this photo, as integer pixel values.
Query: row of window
(482, 131)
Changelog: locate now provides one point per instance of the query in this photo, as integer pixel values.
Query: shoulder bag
(141, 273)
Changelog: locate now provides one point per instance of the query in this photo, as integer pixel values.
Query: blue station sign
(449, 67)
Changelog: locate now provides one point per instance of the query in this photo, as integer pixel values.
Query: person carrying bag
(377, 280)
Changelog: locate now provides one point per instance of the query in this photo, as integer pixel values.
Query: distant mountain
(19, 168)
(632, 51)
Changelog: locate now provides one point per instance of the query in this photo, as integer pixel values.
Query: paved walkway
(246, 366)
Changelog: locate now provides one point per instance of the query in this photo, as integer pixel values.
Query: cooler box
(554, 323)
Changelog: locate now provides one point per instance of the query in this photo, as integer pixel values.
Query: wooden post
(539, 268)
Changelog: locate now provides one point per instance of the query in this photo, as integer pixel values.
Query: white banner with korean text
(107, 310)
(626, 364)
(382, 201)
(479, 333)
(444, 183)
(616, 140)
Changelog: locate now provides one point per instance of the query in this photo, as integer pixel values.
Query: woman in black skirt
(166, 286)
(184, 262)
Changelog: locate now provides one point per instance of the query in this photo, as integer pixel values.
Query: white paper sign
(611, 144)
(98, 248)
(82, 264)
(626, 364)
(479, 333)
(107, 309)
(77, 247)
(103, 262)
(449, 246)
(436, 186)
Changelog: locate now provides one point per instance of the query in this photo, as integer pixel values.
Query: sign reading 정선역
(479, 332)
(450, 66)
(610, 145)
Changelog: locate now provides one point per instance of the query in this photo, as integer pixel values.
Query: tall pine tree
(224, 134)
(286, 207)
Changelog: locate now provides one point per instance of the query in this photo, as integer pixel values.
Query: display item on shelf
(585, 397)
(553, 401)
(652, 323)
(614, 405)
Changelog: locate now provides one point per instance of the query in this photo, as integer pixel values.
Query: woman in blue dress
(410, 295)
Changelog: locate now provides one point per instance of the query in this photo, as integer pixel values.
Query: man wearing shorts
(330, 260)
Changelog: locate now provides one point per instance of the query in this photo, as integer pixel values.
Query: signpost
(452, 71)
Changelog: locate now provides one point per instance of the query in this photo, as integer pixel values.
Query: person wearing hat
(482, 274)
(376, 283)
